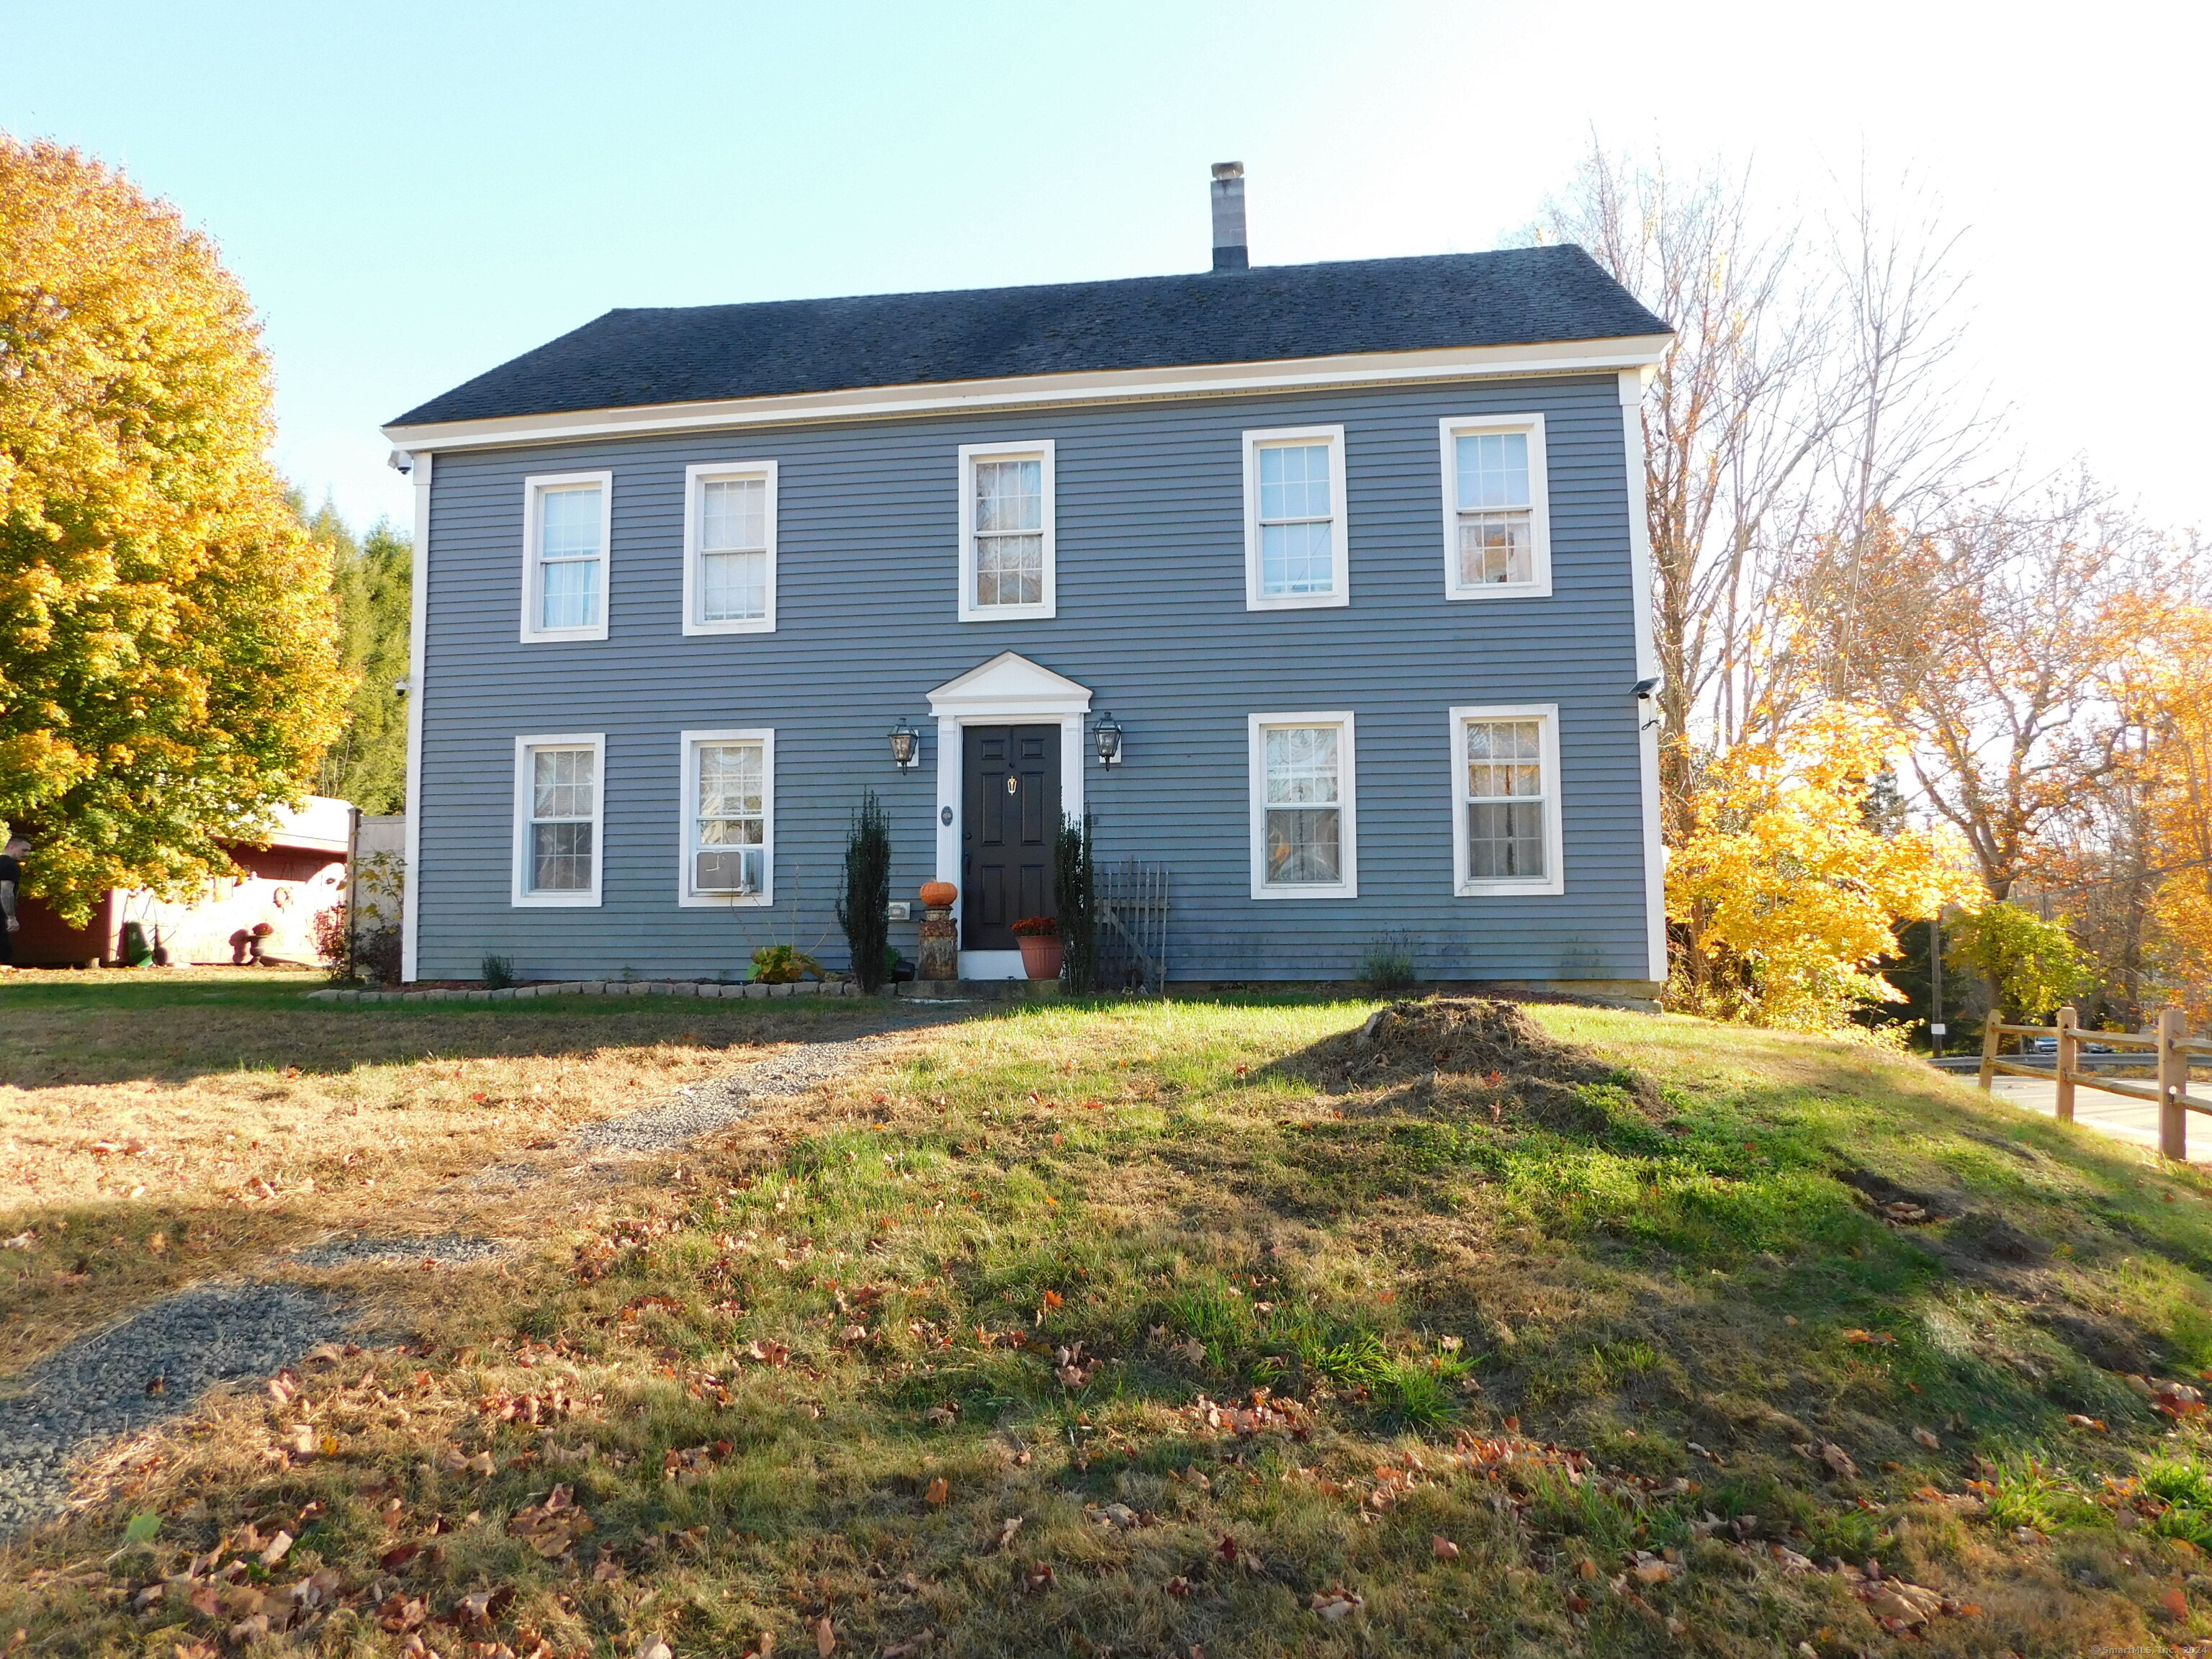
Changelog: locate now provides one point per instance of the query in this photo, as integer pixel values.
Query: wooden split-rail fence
(2166, 1046)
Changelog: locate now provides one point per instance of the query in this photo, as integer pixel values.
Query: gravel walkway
(447, 1249)
(96, 1388)
(703, 1108)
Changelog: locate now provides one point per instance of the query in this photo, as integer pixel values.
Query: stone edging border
(592, 987)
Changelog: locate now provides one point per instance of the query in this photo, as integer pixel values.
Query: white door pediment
(1010, 687)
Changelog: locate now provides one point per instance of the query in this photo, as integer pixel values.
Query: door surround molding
(1010, 690)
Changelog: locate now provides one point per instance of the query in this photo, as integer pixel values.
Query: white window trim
(1554, 840)
(1045, 609)
(1340, 533)
(687, 751)
(1348, 824)
(1538, 585)
(694, 478)
(533, 498)
(522, 898)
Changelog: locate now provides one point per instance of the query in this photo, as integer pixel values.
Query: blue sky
(413, 192)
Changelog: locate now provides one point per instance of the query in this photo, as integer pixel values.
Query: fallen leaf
(2174, 1604)
(1337, 1603)
(1007, 1529)
(1442, 1548)
(1879, 1338)
(1928, 1439)
(1905, 1603)
(551, 1527)
(279, 1547)
(940, 1490)
(2082, 1422)
(1838, 1460)
(484, 1607)
(653, 1647)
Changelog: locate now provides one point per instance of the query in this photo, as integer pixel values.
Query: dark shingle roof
(676, 355)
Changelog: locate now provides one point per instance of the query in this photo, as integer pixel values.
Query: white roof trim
(1030, 390)
(1011, 685)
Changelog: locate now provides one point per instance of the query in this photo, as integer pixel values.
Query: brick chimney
(1230, 253)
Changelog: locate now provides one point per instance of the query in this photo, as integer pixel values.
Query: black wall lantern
(1107, 733)
(905, 745)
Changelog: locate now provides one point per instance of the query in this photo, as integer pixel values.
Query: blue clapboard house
(1322, 589)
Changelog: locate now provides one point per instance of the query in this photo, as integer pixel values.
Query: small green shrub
(783, 964)
(498, 972)
(1388, 964)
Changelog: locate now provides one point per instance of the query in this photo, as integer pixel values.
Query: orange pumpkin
(938, 894)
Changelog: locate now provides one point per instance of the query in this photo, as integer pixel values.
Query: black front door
(1010, 809)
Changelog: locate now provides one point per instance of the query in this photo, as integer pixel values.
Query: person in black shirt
(11, 880)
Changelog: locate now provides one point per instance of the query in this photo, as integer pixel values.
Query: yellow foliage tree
(168, 663)
(1791, 888)
(2165, 687)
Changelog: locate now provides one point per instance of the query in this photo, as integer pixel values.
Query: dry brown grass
(226, 1120)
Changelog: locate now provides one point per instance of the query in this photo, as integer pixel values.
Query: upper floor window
(1302, 823)
(729, 789)
(1496, 511)
(1505, 774)
(1294, 519)
(729, 538)
(1006, 538)
(557, 813)
(565, 530)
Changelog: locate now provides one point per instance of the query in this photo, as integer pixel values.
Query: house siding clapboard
(1152, 617)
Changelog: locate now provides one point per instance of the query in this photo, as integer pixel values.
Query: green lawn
(1150, 1327)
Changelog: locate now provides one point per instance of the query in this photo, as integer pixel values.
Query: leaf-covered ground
(1208, 1326)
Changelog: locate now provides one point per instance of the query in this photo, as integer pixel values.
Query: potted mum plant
(1039, 938)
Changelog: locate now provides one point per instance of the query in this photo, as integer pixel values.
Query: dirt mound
(1493, 1046)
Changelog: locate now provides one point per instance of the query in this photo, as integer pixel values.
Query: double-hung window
(729, 817)
(567, 524)
(1007, 554)
(1505, 782)
(1498, 532)
(1295, 539)
(559, 798)
(1304, 829)
(729, 539)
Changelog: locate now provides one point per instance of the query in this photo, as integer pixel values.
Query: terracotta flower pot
(1041, 955)
(936, 894)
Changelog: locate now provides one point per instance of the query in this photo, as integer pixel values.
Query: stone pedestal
(940, 943)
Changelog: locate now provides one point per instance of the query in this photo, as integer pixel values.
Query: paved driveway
(2116, 1116)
